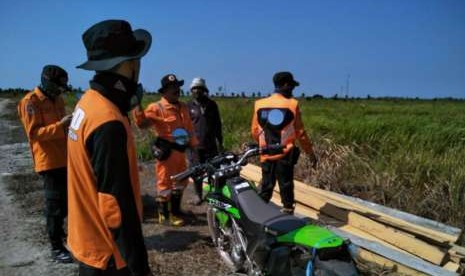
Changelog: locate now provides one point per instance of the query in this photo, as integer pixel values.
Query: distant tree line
(253, 95)
(14, 91)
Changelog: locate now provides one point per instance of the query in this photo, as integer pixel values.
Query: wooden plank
(406, 263)
(427, 230)
(437, 226)
(370, 257)
(383, 232)
(326, 220)
(409, 261)
(459, 250)
(360, 253)
(451, 266)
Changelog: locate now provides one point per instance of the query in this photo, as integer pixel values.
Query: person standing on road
(170, 121)
(105, 206)
(281, 166)
(207, 127)
(42, 112)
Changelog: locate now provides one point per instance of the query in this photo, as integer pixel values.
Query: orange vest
(91, 214)
(289, 133)
(156, 112)
(41, 120)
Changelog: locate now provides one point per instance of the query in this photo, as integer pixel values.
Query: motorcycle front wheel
(223, 240)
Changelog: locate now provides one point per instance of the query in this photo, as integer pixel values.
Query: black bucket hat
(282, 78)
(54, 74)
(170, 80)
(110, 42)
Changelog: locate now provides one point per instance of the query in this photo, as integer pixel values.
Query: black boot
(163, 212)
(62, 255)
(175, 219)
(198, 192)
(176, 197)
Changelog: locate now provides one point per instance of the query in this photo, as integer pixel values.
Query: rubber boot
(198, 187)
(175, 219)
(163, 212)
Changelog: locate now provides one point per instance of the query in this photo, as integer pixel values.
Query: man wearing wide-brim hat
(175, 136)
(105, 208)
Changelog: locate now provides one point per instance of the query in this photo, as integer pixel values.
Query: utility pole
(347, 85)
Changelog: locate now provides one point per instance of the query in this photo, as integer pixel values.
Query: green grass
(405, 154)
(411, 154)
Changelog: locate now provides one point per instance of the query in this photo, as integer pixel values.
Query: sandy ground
(23, 241)
(178, 251)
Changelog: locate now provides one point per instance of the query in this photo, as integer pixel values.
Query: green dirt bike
(254, 237)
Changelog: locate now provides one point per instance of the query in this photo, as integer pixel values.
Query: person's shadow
(175, 240)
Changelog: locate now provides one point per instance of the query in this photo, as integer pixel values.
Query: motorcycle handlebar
(271, 150)
(185, 174)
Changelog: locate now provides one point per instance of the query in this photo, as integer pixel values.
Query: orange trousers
(175, 164)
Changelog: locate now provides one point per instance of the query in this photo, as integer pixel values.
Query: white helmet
(199, 82)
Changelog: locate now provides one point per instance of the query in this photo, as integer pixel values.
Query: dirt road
(23, 242)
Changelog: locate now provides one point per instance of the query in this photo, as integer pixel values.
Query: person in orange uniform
(42, 112)
(105, 206)
(285, 132)
(173, 126)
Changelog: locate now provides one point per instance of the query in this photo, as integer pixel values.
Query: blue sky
(390, 48)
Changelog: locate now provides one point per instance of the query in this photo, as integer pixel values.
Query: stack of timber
(393, 240)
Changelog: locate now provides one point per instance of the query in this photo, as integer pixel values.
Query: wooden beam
(441, 234)
(459, 250)
(380, 261)
(451, 266)
(406, 263)
(455, 256)
(360, 253)
(388, 234)
(397, 257)
(383, 232)
(327, 220)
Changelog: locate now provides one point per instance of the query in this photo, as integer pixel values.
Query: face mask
(136, 98)
(52, 89)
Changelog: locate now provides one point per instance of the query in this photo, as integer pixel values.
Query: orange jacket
(166, 117)
(93, 214)
(41, 120)
(289, 133)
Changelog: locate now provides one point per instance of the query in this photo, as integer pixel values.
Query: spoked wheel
(224, 242)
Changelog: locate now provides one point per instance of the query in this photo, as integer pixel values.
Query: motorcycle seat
(267, 215)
